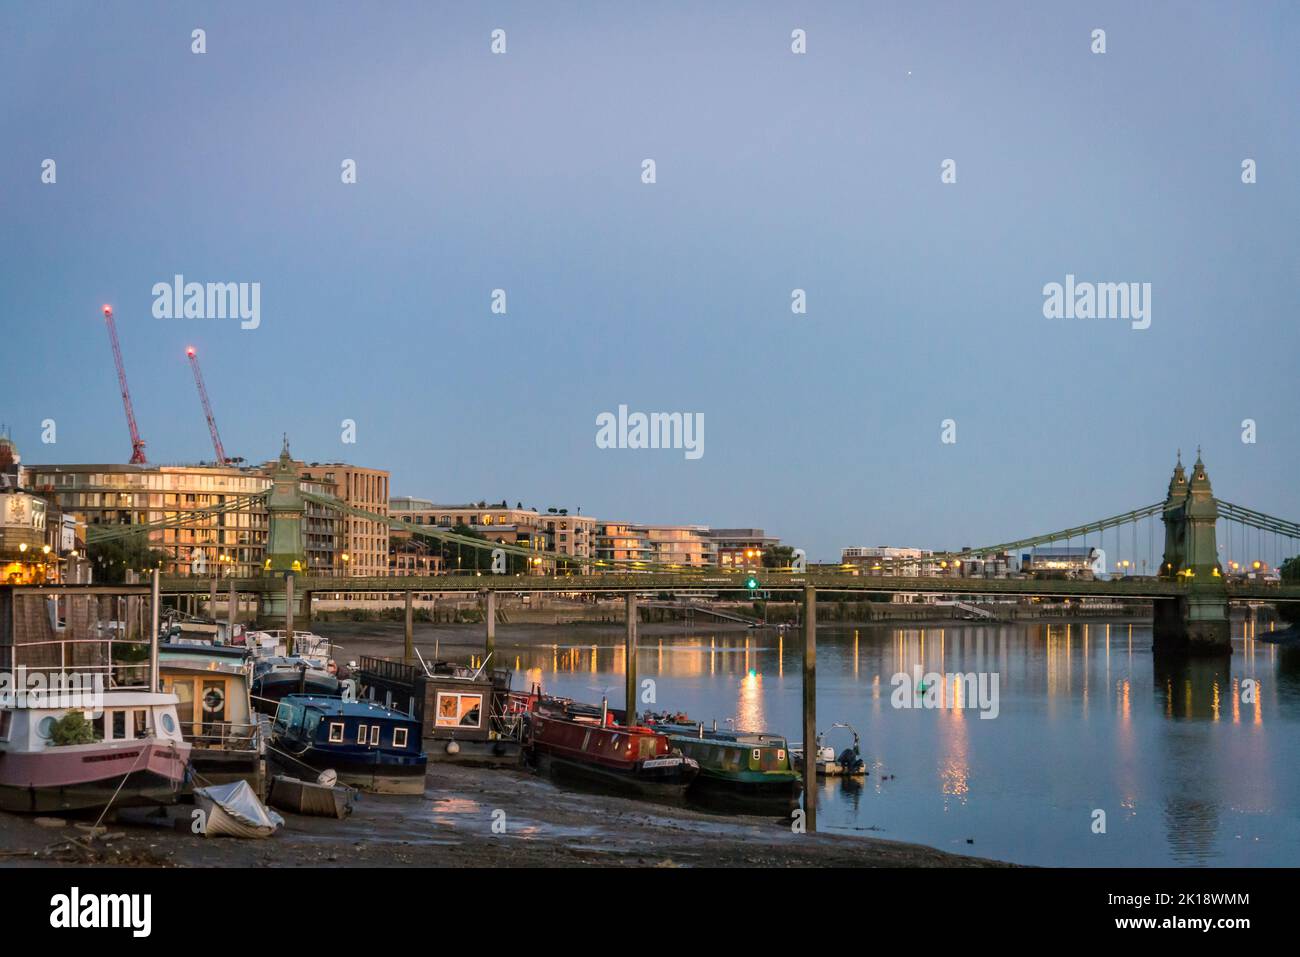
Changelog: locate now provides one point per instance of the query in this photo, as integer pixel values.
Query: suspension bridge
(1212, 553)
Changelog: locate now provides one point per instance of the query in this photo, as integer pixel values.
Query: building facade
(362, 543)
(741, 547)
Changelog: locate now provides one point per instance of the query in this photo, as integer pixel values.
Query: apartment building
(363, 544)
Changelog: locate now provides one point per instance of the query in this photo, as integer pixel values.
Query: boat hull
(662, 783)
(84, 777)
(377, 776)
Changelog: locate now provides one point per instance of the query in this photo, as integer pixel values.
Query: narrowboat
(215, 709)
(752, 764)
(465, 714)
(633, 758)
(129, 753)
(369, 746)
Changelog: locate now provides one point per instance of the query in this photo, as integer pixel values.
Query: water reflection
(1178, 752)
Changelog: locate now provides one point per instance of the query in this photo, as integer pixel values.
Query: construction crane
(207, 407)
(137, 443)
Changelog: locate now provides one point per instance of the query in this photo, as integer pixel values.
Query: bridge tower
(286, 551)
(1198, 621)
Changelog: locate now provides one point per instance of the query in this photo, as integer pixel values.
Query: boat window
(336, 732)
(758, 754)
(456, 710)
(374, 735)
(399, 737)
(46, 727)
(140, 723)
(780, 754)
(361, 733)
(5, 718)
(119, 725)
(168, 722)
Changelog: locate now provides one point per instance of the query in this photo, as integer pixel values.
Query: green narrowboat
(751, 764)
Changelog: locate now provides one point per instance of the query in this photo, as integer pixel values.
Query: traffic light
(751, 583)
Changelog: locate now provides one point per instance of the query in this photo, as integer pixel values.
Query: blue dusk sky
(775, 171)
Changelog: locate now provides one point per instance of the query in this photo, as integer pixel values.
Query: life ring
(214, 699)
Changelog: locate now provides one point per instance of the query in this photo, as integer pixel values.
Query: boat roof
(197, 649)
(335, 705)
(197, 666)
(692, 731)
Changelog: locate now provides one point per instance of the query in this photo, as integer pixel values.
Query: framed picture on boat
(458, 710)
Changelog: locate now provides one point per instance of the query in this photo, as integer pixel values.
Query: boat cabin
(450, 702)
(211, 685)
(330, 723)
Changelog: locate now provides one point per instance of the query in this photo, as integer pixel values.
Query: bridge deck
(824, 582)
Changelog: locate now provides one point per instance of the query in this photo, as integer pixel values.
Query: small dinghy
(233, 810)
(319, 798)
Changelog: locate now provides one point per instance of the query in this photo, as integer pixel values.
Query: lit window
(374, 735)
(336, 732)
(361, 734)
(399, 737)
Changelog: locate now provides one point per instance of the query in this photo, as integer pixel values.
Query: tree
(112, 559)
(1290, 572)
(778, 556)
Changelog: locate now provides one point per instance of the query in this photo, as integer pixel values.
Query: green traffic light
(752, 583)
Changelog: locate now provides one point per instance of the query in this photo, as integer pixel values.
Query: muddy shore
(452, 825)
(538, 822)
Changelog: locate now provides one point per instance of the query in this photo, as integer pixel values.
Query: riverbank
(537, 824)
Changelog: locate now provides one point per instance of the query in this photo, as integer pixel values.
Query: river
(1088, 753)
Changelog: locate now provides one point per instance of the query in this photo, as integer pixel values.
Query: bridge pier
(1193, 624)
(272, 607)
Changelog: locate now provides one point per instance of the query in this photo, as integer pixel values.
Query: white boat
(82, 727)
(847, 763)
(233, 810)
(133, 754)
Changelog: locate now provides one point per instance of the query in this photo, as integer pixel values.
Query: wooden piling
(288, 613)
(810, 708)
(155, 619)
(232, 611)
(408, 646)
(630, 691)
(490, 620)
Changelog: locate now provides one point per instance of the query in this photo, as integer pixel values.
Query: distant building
(197, 543)
(686, 545)
(887, 560)
(552, 531)
(741, 547)
(1071, 561)
(362, 545)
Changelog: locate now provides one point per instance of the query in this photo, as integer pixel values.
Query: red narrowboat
(589, 742)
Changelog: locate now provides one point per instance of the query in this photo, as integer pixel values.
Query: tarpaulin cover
(237, 811)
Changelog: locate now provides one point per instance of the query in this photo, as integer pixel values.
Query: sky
(774, 171)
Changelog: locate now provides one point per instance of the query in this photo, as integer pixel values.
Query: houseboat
(274, 678)
(215, 709)
(129, 752)
(750, 764)
(589, 742)
(369, 746)
(92, 733)
(464, 713)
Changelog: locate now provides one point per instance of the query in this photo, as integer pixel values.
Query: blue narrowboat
(369, 746)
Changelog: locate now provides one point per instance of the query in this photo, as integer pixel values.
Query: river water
(1193, 763)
